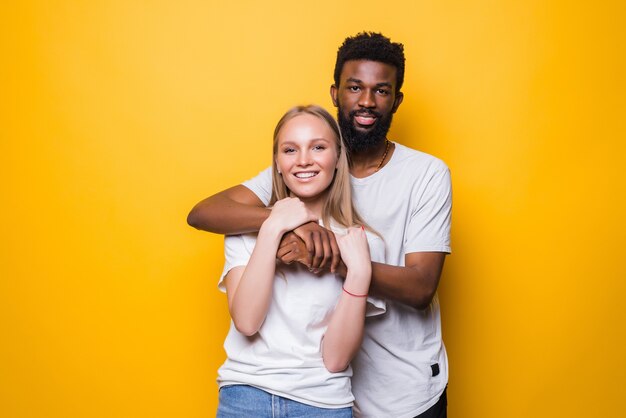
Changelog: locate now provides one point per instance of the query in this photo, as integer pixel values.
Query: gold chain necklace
(380, 164)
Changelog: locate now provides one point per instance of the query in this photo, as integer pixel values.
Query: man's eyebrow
(356, 80)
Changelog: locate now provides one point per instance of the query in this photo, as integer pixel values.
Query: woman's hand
(355, 252)
(289, 213)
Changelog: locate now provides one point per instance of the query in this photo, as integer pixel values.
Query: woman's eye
(319, 147)
(289, 150)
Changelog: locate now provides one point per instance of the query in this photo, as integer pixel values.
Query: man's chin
(360, 132)
(361, 138)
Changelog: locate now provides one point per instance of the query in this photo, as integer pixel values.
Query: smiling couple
(347, 322)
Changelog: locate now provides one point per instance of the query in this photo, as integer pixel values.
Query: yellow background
(117, 116)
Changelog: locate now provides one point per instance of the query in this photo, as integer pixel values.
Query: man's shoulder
(416, 158)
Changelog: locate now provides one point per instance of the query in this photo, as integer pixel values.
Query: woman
(294, 332)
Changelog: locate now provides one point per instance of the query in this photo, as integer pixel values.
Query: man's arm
(415, 284)
(238, 211)
(233, 211)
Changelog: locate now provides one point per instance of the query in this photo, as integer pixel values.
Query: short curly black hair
(372, 47)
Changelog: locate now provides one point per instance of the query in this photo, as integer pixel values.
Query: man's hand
(292, 248)
(312, 245)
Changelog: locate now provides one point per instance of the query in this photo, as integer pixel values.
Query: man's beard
(359, 141)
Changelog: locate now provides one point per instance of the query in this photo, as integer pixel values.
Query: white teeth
(305, 175)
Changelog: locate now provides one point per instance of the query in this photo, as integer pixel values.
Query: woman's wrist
(357, 283)
(272, 229)
(354, 295)
(359, 271)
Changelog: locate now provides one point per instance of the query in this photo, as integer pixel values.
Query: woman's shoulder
(241, 242)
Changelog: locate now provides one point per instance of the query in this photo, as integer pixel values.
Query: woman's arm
(345, 331)
(249, 288)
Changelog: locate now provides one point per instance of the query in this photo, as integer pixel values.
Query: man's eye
(383, 92)
(354, 88)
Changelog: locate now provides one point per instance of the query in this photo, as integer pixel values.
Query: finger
(288, 258)
(285, 249)
(310, 246)
(290, 253)
(309, 242)
(288, 239)
(328, 253)
(334, 248)
(319, 251)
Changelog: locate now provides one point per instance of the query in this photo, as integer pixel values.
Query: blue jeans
(242, 401)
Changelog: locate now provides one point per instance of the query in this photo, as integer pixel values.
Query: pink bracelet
(354, 294)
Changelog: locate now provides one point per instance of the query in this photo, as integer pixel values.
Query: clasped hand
(318, 248)
(314, 246)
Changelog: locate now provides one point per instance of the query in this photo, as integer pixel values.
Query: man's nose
(367, 99)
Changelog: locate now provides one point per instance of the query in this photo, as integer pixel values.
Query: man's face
(366, 99)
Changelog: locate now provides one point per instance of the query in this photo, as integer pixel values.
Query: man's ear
(333, 94)
(397, 101)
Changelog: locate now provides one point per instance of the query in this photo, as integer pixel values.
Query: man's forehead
(369, 71)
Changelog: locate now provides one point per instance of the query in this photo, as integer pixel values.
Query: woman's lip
(314, 173)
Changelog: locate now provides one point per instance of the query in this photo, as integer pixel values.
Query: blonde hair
(338, 205)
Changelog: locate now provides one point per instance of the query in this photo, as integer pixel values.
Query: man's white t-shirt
(285, 357)
(402, 367)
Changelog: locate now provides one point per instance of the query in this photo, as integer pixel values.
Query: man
(403, 194)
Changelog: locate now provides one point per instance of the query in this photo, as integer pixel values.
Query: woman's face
(306, 156)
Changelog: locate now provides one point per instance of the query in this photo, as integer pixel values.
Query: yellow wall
(117, 116)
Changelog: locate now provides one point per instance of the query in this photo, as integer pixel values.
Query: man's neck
(369, 161)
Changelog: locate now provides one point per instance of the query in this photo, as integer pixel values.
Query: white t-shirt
(285, 357)
(402, 367)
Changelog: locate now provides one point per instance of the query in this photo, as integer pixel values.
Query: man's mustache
(364, 112)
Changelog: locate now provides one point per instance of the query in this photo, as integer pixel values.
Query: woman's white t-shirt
(284, 357)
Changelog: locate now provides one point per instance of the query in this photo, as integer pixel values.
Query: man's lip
(365, 120)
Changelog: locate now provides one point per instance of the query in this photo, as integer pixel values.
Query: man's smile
(364, 118)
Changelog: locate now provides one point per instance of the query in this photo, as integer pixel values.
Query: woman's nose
(304, 158)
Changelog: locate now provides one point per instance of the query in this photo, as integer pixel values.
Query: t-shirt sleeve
(261, 185)
(429, 223)
(237, 252)
(375, 306)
